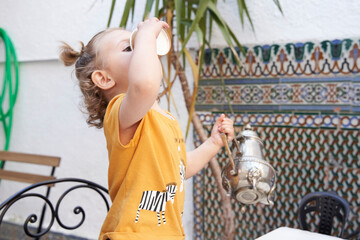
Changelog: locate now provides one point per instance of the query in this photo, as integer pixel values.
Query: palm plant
(185, 18)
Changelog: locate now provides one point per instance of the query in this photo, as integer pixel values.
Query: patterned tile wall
(303, 99)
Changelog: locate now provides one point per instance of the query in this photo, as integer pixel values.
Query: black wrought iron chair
(327, 206)
(52, 204)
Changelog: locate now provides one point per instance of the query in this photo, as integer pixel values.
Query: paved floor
(10, 231)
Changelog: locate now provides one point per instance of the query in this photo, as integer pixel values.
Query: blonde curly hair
(86, 61)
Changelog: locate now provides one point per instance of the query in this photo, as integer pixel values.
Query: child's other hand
(222, 125)
(152, 25)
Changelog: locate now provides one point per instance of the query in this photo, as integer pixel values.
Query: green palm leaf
(202, 7)
(111, 12)
(147, 10)
(129, 6)
(277, 3)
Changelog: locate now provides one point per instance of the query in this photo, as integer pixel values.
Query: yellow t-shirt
(145, 177)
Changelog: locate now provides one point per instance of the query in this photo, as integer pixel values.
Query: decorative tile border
(280, 94)
(337, 57)
(295, 120)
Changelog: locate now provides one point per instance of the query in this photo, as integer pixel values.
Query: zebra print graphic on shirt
(156, 201)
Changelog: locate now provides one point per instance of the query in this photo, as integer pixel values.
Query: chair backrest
(21, 176)
(328, 206)
(69, 192)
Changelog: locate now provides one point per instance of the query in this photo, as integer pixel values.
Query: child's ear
(101, 79)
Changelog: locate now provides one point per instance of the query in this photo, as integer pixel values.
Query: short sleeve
(111, 123)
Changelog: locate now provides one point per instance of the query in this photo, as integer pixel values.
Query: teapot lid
(249, 132)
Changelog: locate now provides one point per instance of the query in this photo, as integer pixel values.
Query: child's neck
(157, 108)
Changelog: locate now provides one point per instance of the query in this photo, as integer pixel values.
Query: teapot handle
(236, 143)
(271, 192)
(224, 139)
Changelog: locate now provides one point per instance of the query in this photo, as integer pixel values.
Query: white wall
(47, 119)
(302, 20)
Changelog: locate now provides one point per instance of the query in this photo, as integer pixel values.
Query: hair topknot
(68, 55)
(86, 61)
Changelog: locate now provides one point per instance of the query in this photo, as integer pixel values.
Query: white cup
(162, 42)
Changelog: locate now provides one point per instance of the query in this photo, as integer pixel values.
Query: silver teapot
(248, 178)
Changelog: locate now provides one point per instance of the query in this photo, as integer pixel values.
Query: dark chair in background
(327, 206)
(53, 203)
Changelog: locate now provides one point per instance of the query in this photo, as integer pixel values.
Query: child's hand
(222, 125)
(152, 25)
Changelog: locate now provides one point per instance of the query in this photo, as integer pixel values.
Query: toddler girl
(148, 163)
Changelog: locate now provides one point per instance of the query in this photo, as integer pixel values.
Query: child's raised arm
(144, 75)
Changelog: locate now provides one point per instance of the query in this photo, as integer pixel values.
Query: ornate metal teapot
(249, 178)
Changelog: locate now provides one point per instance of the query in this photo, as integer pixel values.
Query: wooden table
(285, 233)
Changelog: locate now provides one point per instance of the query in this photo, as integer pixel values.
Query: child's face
(116, 54)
